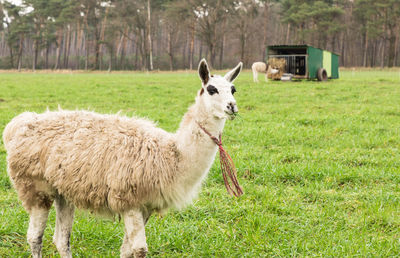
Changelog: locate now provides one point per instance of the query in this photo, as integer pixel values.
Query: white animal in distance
(261, 67)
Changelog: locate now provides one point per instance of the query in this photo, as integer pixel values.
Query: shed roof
(298, 46)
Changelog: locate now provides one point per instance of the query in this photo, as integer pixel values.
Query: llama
(110, 164)
(261, 67)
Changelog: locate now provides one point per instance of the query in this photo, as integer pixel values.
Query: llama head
(217, 91)
(272, 70)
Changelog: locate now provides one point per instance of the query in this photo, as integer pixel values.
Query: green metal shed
(306, 62)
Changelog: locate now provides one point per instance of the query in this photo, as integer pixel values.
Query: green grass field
(319, 164)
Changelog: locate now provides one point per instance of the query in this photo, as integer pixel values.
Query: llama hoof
(136, 253)
(64, 251)
(140, 252)
(65, 255)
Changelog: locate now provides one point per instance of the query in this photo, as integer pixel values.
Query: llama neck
(197, 148)
(191, 136)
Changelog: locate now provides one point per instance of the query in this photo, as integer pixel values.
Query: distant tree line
(175, 34)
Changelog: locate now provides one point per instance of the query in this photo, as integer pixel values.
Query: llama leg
(266, 76)
(64, 220)
(37, 224)
(255, 76)
(134, 244)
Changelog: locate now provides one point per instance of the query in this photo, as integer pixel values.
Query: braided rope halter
(227, 166)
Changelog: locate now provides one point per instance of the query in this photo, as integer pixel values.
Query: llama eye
(233, 90)
(211, 90)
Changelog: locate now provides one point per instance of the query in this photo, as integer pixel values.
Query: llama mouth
(231, 115)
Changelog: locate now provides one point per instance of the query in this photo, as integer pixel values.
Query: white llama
(113, 164)
(261, 67)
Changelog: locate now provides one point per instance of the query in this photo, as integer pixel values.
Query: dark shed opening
(295, 57)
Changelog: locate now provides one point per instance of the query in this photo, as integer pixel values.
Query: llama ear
(232, 74)
(204, 73)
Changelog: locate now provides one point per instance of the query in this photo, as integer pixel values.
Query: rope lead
(227, 167)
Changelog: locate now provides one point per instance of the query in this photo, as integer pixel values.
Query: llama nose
(232, 107)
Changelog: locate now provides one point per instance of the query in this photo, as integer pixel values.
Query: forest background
(175, 34)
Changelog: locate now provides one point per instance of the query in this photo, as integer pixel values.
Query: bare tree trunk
(374, 53)
(102, 37)
(72, 49)
(121, 53)
(191, 55)
(222, 45)
(169, 47)
(333, 41)
(325, 39)
(129, 50)
(396, 55)
(11, 56)
(35, 54)
(67, 47)
(392, 48)
(243, 38)
(149, 36)
(59, 42)
(242, 45)
(21, 46)
(79, 42)
(87, 39)
(144, 50)
(160, 39)
(125, 48)
(87, 50)
(110, 50)
(221, 52)
(119, 45)
(211, 53)
(365, 49)
(382, 52)
(121, 48)
(46, 62)
(136, 56)
(200, 51)
(343, 49)
(184, 52)
(265, 35)
(207, 51)
(96, 48)
(287, 34)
